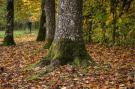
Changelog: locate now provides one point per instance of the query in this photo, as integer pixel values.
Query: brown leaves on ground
(115, 68)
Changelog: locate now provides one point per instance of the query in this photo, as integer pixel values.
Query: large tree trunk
(68, 45)
(42, 30)
(50, 21)
(9, 39)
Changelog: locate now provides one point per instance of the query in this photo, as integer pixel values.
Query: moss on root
(41, 73)
(63, 52)
(31, 66)
(36, 76)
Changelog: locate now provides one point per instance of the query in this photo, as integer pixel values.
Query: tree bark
(114, 28)
(9, 39)
(68, 45)
(90, 30)
(50, 21)
(42, 30)
(103, 32)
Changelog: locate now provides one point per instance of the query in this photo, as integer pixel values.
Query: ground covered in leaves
(115, 69)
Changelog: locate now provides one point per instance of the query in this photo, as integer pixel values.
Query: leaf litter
(115, 70)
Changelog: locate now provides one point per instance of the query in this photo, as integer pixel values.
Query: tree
(9, 39)
(50, 21)
(118, 8)
(68, 45)
(42, 29)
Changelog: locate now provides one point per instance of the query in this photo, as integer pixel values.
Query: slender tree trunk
(114, 28)
(90, 30)
(50, 21)
(9, 39)
(103, 32)
(42, 30)
(68, 45)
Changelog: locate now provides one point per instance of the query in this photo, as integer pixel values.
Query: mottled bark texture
(42, 30)
(50, 21)
(68, 46)
(9, 39)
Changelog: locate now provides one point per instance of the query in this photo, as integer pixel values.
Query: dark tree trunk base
(8, 41)
(40, 38)
(67, 52)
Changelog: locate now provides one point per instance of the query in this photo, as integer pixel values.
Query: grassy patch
(18, 33)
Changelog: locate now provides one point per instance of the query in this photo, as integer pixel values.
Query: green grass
(18, 33)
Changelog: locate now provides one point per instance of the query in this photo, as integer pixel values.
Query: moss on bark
(67, 51)
(48, 44)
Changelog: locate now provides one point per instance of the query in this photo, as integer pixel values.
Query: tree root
(44, 71)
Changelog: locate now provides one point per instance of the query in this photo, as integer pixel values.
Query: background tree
(98, 22)
(42, 30)
(104, 29)
(9, 39)
(118, 8)
(50, 21)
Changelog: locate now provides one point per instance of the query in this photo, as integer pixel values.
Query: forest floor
(115, 70)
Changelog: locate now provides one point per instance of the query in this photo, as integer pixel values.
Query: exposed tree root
(49, 66)
(44, 71)
(65, 52)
